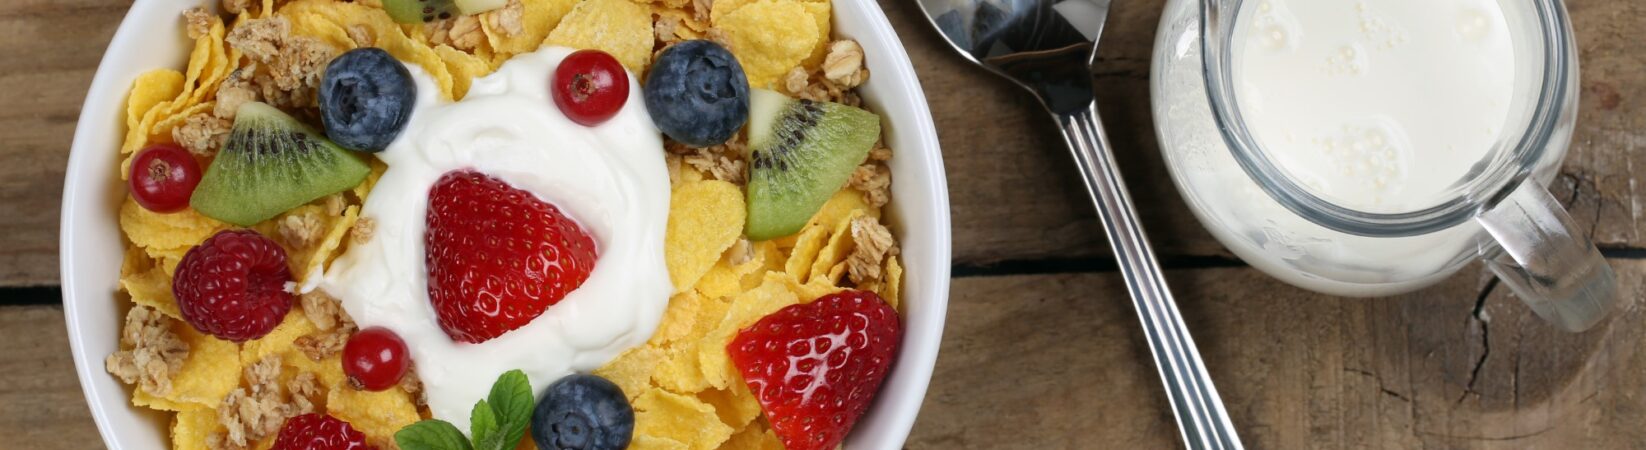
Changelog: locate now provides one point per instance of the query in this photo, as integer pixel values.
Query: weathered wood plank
(48, 53)
(41, 406)
(1060, 361)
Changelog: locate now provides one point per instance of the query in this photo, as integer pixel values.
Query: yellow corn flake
(329, 370)
(735, 405)
(643, 442)
(385, 33)
(323, 29)
(200, 59)
(820, 15)
(190, 429)
(892, 288)
(811, 241)
(279, 340)
(216, 68)
(842, 205)
(705, 218)
(835, 252)
(632, 370)
(680, 418)
(678, 319)
(619, 27)
(769, 38)
(326, 250)
(155, 231)
(464, 67)
(746, 309)
(681, 370)
(152, 288)
(753, 438)
(150, 89)
(307, 259)
(377, 414)
(724, 279)
(140, 397)
(808, 291)
(537, 18)
(722, 8)
(364, 188)
(209, 373)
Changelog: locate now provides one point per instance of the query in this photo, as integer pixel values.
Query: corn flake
(377, 414)
(735, 405)
(705, 218)
(753, 438)
(835, 252)
(680, 418)
(149, 90)
(155, 232)
(619, 27)
(769, 38)
(279, 340)
(678, 318)
(746, 309)
(209, 373)
(152, 287)
(892, 288)
(190, 429)
(140, 397)
(643, 442)
(632, 370)
(537, 19)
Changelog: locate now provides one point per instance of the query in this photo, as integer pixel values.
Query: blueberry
(582, 412)
(697, 93)
(366, 98)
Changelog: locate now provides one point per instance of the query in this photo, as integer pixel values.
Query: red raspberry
(498, 256)
(233, 285)
(319, 432)
(815, 367)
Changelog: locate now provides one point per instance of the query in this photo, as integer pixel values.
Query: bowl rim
(894, 414)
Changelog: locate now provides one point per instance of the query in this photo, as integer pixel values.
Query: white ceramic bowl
(91, 240)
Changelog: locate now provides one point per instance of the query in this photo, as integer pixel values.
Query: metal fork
(1047, 47)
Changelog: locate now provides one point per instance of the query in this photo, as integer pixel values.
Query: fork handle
(1201, 418)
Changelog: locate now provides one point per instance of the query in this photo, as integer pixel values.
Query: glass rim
(1462, 204)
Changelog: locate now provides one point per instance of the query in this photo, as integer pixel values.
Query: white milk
(1378, 105)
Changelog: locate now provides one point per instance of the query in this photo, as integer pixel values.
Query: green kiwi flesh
(272, 163)
(800, 153)
(423, 11)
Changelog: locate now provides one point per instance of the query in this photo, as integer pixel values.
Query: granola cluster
(151, 353)
(256, 411)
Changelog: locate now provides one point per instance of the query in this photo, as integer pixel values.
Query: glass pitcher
(1498, 210)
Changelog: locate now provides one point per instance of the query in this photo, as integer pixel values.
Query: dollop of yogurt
(611, 178)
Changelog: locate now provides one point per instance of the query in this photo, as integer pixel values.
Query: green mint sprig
(498, 422)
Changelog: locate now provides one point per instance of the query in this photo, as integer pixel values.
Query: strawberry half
(814, 367)
(498, 256)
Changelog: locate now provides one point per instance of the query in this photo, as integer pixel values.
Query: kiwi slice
(421, 11)
(271, 164)
(800, 153)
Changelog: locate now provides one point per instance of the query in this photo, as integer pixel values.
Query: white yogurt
(610, 178)
(1375, 105)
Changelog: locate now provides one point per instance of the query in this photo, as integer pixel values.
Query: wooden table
(1041, 348)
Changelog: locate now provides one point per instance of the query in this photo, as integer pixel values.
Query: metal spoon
(1047, 46)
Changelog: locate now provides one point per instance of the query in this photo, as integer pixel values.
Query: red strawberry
(319, 432)
(498, 256)
(815, 366)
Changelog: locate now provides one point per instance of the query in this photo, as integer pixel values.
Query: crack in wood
(1476, 318)
(1379, 381)
(1485, 438)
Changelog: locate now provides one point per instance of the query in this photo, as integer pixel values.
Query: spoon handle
(1203, 422)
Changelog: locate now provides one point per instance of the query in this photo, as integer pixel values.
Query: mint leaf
(431, 434)
(483, 428)
(511, 400)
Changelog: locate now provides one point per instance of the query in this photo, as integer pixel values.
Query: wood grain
(41, 406)
(1055, 361)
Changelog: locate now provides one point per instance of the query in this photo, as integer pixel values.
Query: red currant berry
(375, 359)
(590, 86)
(233, 285)
(163, 177)
(319, 432)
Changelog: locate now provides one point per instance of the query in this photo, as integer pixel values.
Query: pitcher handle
(1545, 260)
